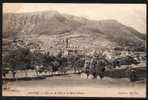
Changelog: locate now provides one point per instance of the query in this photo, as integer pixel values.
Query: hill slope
(51, 27)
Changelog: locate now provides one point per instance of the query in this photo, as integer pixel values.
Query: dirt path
(73, 85)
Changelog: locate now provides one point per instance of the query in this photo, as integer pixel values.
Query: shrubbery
(24, 59)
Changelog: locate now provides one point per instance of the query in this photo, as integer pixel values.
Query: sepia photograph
(74, 50)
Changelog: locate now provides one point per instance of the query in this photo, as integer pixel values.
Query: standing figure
(13, 74)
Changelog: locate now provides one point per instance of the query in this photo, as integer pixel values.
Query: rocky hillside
(51, 27)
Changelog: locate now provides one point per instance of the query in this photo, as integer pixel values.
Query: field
(76, 85)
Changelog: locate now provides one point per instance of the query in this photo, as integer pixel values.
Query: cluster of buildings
(65, 46)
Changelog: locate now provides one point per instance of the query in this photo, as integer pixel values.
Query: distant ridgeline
(50, 31)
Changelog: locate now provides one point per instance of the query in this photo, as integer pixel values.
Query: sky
(133, 15)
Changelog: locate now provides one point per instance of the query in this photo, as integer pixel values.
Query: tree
(63, 64)
(18, 59)
(36, 61)
(49, 62)
(5, 64)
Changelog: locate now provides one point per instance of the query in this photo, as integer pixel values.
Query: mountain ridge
(52, 26)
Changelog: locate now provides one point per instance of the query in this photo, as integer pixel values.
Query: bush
(17, 59)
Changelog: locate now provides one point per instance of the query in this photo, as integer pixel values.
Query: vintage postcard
(74, 50)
